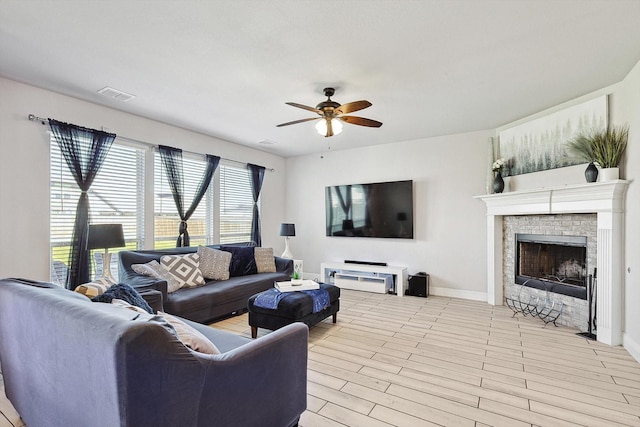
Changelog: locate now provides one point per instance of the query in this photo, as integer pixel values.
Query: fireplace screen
(558, 259)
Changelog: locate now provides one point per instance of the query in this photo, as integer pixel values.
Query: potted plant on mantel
(604, 147)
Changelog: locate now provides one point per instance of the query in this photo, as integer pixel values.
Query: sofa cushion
(95, 288)
(214, 264)
(189, 336)
(204, 303)
(265, 262)
(124, 292)
(154, 269)
(184, 268)
(242, 260)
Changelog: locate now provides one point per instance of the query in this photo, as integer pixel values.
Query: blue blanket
(271, 298)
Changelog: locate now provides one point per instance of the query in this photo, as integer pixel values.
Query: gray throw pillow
(214, 264)
(154, 269)
(265, 262)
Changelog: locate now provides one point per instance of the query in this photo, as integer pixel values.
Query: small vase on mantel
(498, 183)
(591, 173)
(609, 174)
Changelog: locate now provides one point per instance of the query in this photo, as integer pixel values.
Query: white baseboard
(458, 293)
(433, 290)
(632, 346)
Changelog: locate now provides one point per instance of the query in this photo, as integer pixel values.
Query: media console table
(364, 277)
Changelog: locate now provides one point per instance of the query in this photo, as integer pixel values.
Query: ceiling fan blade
(329, 129)
(296, 122)
(304, 107)
(350, 107)
(360, 121)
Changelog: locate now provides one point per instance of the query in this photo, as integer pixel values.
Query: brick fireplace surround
(606, 200)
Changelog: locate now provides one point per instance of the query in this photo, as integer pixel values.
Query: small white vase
(609, 174)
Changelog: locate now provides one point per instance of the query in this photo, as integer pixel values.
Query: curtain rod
(43, 121)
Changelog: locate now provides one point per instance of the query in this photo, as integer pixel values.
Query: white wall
(449, 227)
(24, 169)
(626, 108)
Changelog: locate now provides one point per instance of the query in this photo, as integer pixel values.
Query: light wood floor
(415, 362)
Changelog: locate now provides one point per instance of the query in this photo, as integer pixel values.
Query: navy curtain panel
(172, 160)
(257, 176)
(84, 151)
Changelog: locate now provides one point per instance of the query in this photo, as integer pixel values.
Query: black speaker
(419, 285)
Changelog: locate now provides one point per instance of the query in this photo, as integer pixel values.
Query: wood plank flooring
(439, 361)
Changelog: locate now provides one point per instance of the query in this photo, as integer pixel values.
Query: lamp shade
(287, 229)
(103, 236)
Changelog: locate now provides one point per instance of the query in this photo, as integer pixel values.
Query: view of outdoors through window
(117, 196)
(166, 218)
(236, 204)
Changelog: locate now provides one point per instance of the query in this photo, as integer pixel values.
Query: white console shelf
(364, 277)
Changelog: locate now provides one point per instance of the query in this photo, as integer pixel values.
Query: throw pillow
(214, 264)
(95, 288)
(124, 304)
(154, 269)
(242, 260)
(184, 268)
(265, 262)
(124, 292)
(190, 336)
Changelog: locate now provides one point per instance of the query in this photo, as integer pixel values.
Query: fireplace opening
(558, 262)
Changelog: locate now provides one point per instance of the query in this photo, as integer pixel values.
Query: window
(223, 216)
(166, 218)
(116, 196)
(236, 204)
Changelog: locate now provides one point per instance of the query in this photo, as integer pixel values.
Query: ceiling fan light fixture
(336, 125)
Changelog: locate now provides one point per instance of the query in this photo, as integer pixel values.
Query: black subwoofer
(419, 285)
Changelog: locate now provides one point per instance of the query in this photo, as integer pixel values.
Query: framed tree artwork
(540, 144)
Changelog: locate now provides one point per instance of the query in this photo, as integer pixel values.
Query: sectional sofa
(215, 298)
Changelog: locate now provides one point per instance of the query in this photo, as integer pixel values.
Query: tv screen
(382, 209)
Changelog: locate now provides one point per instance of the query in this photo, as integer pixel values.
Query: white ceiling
(226, 67)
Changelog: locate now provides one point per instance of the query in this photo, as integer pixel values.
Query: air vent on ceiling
(116, 94)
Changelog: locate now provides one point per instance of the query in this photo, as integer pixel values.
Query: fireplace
(558, 262)
(607, 201)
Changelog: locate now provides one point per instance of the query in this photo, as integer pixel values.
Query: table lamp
(105, 236)
(287, 230)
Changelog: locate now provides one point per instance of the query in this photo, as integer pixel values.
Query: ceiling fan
(332, 114)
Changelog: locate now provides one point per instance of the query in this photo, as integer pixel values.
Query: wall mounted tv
(381, 209)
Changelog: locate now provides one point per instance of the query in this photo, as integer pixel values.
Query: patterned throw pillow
(154, 269)
(95, 288)
(184, 268)
(214, 264)
(264, 260)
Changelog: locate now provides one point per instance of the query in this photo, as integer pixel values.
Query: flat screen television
(381, 209)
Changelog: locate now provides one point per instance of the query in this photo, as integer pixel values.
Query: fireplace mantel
(606, 199)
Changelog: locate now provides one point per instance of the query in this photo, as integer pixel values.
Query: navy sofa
(67, 361)
(207, 302)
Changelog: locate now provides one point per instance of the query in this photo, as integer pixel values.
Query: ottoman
(293, 307)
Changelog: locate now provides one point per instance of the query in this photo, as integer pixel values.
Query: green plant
(295, 275)
(605, 147)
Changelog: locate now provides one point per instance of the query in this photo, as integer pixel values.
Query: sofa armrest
(153, 298)
(284, 265)
(145, 283)
(249, 376)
